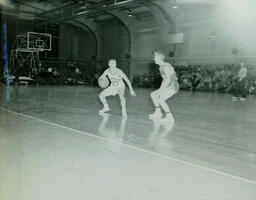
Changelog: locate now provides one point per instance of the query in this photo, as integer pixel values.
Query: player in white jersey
(168, 88)
(117, 86)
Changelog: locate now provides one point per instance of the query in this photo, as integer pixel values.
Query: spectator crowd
(217, 78)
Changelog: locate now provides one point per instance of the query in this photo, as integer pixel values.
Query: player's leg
(155, 98)
(167, 93)
(236, 91)
(122, 101)
(102, 96)
(243, 90)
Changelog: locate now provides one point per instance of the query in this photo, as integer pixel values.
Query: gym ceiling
(44, 12)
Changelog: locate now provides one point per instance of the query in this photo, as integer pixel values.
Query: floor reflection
(112, 132)
(7, 96)
(161, 129)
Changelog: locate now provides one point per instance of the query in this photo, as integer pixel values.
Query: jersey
(116, 78)
(117, 85)
(172, 75)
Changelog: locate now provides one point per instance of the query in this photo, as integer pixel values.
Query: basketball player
(168, 88)
(117, 86)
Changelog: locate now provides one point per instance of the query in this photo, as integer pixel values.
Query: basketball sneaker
(168, 118)
(104, 109)
(155, 115)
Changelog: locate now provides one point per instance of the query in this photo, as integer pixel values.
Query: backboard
(40, 41)
(34, 41)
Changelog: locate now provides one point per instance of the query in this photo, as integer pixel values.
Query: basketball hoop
(24, 58)
(39, 41)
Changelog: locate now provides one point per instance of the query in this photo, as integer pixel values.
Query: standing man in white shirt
(240, 85)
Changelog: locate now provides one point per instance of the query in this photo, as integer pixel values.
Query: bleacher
(215, 78)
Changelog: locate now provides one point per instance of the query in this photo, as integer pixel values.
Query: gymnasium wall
(75, 43)
(218, 34)
(212, 35)
(209, 37)
(15, 26)
(115, 43)
(214, 45)
(145, 43)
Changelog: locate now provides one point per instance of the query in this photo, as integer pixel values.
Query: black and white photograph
(128, 100)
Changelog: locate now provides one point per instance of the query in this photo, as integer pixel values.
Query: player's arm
(128, 83)
(104, 74)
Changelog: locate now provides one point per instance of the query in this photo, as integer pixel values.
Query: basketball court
(56, 145)
(53, 139)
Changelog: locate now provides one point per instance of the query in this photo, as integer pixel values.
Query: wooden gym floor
(54, 146)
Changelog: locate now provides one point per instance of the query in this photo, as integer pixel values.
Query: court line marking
(133, 147)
